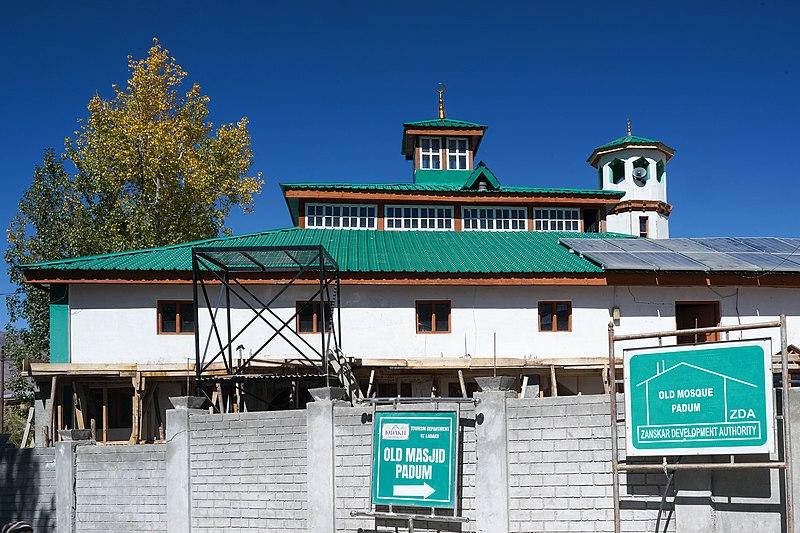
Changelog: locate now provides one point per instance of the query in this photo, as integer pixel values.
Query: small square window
(555, 316)
(175, 318)
(310, 320)
(433, 316)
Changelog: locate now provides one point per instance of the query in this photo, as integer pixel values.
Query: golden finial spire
(441, 100)
(629, 127)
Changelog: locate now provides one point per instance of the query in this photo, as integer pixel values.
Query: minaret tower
(638, 167)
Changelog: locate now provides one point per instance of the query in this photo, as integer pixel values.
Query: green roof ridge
(629, 139)
(445, 187)
(444, 123)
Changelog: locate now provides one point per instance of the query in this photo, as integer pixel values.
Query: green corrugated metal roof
(443, 187)
(629, 139)
(444, 123)
(457, 252)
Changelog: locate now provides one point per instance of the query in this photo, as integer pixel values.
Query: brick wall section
(27, 487)
(560, 469)
(249, 472)
(353, 439)
(120, 488)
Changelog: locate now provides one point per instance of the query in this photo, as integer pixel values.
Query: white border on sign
(450, 466)
(768, 447)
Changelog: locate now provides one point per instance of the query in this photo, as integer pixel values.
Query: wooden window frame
(552, 304)
(402, 220)
(714, 337)
(491, 217)
(430, 153)
(433, 303)
(315, 317)
(457, 153)
(545, 221)
(646, 232)
(178, 303)
(337, 220)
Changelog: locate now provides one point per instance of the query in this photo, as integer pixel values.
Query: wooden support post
(105, 413)
(220, 399)
(371, 382)
(553, 382)
(605, 378)
(77, 408)
(524, 389)
(93, 429)
(137, 408)
(59, 421)
(463, 385)
(159, 420)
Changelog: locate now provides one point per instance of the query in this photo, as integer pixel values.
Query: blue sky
(327, 85)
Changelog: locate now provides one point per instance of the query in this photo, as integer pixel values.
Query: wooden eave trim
(352, 278)
(658, 206)
(646, 279)
(433, 132)
(448, 196)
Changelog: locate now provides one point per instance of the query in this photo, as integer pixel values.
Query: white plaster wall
(651, 190)
(117, 323)
(628, 223)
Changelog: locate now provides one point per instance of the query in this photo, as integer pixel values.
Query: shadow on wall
(27, 491)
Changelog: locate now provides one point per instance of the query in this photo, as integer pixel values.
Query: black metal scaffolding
(227, 271)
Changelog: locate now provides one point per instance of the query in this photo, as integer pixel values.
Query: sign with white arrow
(414, 461)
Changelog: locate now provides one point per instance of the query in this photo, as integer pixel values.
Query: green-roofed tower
(635, 166)
(443, 149)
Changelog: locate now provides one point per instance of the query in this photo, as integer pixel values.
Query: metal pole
(787, 431)
(196, 327)
(612, 391)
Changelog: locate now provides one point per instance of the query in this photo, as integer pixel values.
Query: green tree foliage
(48, 225)
(153, 168)
(150, 170)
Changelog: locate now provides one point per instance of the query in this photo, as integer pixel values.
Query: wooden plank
(553, 382)
(105, 413)
(463, 385)
(27, 428)
(371, 382)
(605, 378)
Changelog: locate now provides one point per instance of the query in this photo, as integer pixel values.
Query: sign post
(700, 399)
(414, 458)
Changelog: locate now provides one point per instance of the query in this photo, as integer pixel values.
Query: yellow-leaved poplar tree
(153, 168)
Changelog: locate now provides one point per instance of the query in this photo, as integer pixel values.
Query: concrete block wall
(120, 488)
(560, 469)
(248, 472)
(352, 439)
(27, 487)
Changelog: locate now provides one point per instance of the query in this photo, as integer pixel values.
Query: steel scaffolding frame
(229, 268)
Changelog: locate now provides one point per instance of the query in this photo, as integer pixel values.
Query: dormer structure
(441, 144)
(637, 167)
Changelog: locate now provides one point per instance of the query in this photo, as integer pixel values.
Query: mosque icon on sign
(689, 393)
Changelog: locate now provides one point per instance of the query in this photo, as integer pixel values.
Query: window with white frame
(495, 218)
(419, 217)
(341, 216)
(556, 219)
(456, 154)
(430, 153)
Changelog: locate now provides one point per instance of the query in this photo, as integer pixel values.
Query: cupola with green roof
(637, 167)
(440, 146)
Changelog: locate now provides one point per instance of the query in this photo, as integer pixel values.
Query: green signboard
(699, 399)
(414, 458)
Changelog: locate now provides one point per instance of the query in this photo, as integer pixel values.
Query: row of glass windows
(431, 153)
(432, 316)
(441, 218)
(341, 216)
